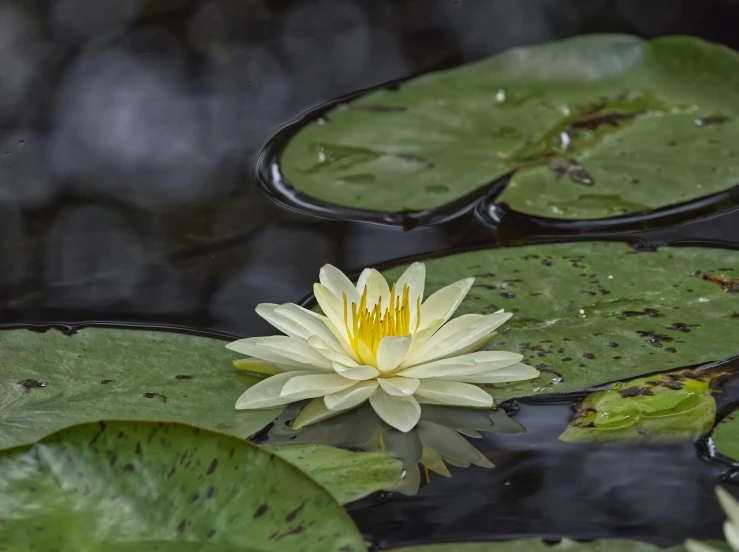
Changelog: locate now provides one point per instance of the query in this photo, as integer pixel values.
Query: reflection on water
(437, 440)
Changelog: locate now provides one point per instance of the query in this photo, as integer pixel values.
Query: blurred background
(131, 131)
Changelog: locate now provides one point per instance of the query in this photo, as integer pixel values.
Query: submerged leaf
(51, 381)
(347, 475)
(589, 313)
(147, 486)
(593, 126)
(663, 408)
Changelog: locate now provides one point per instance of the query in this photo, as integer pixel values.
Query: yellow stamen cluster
(370, 327)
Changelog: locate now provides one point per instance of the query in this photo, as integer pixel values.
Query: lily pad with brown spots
(144, 486)
(51, 380)
(591, 127)
(662, 408)
(589, 313)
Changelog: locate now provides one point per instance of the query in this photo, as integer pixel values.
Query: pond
(169, 165)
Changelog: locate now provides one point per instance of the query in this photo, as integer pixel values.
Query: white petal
(377, 288)
(314, 385)
(324, 349)
(729, 504)
(366, 356)
(515, 372)
(400, 412)
(392, 351)
(415, 277)
(313, 412)
(267, 393)
(288, 327)
(422, 336)
(356, 373)
(444, 302)
(290, 352)
(444, 367)
(337, 282)
(258, 366)
(312, 323)
(399, 387)
(731, 532)
(695, 546)
(456, 336)
(333, 308)
(362, 280)
(351, 397)
(452, 392)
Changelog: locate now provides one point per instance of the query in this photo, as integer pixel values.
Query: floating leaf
(599, 126)
(589, 313)
(150, 486)
(535, 545)
(726, 436)
(663, 408)
(51, 381)
(347, 475)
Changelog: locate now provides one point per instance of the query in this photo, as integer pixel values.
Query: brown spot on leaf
(291, 516)
(636, 392)
(183, 377)
(212, 467)
(29, 384)
(572, 169)
(730, 285)
(261, 511)
(712, 120)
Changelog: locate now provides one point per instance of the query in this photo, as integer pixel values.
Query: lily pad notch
(591, 128)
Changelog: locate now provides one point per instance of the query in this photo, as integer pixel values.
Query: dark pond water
(130, 193)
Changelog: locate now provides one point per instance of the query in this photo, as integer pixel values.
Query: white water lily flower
(731, 525)
(375, 343)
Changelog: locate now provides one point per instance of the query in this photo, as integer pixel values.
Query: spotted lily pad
(663, 408)
(50, 381)
(535, 545)
(590, 313)
(593, 127)
(153, 486)
(347, 475)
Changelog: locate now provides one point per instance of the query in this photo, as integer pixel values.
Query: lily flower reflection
(437, 441)
(731, 525)
(379, 344)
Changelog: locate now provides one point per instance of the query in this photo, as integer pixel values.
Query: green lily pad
(152, 486)
(593, 127)
(50, 381)
(348, 476)
(726, 436)
(589, 313)
(535, 545)
(663, 408)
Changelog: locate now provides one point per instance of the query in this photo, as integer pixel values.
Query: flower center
(368, 327)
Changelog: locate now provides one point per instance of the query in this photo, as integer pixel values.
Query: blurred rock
(129, 127)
